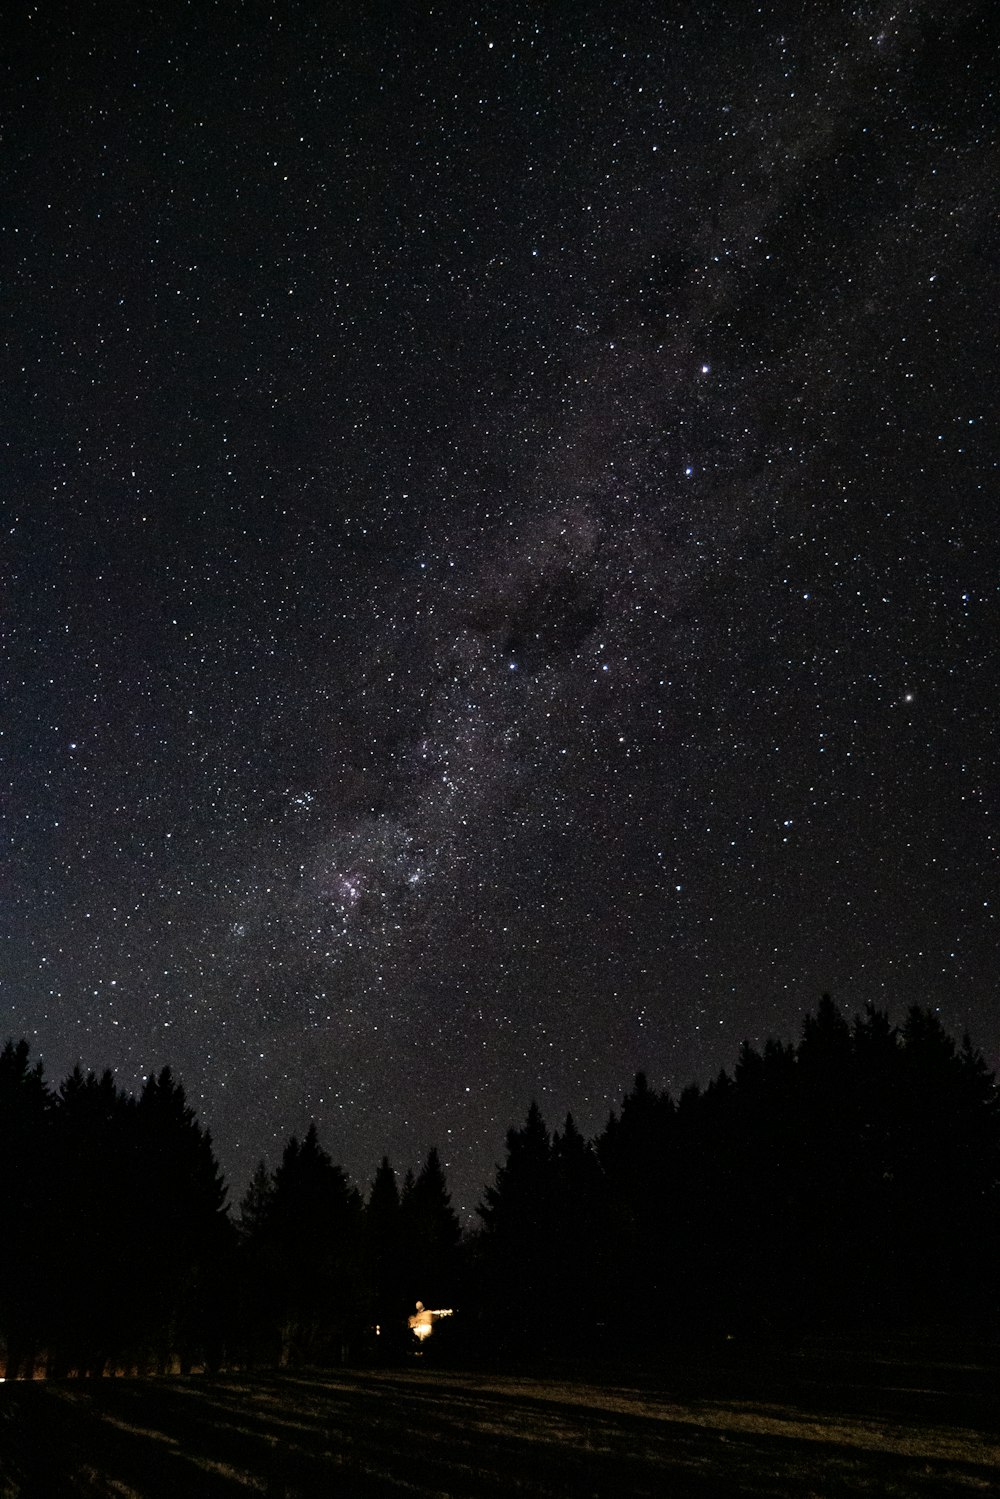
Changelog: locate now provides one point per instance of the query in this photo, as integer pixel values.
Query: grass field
(804, 1424)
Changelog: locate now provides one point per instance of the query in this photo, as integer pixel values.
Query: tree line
(852, 1178)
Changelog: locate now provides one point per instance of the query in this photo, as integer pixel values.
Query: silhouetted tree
(98, 1289)
(126, 1208)
(583, 1257)
(943, 1174)
(635, 1153)
(431, 1234)
(515, 1256)
(256, 1202)
(25, 1207)
(385, 1260)
(851, 1178)
(182, 1221)
(311, 1242)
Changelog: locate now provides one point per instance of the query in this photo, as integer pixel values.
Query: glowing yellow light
(422, 1322)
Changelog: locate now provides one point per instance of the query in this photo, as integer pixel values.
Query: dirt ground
(806, 1423)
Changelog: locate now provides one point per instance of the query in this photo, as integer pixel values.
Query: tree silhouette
(311, 1240)
(580, 1308)
(256, 1202)
(515, 1248)
(97, 1288)
(635, 1151)
(256, 1305)
(116, 1219)
(851, 1179)
(25, 1207)
(385, 1260)
(431, 1234)
(181, 1217)
(943, 1175)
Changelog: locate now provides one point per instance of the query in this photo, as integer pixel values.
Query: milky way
(501, 546)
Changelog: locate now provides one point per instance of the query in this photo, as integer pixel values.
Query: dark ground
(814, 1422)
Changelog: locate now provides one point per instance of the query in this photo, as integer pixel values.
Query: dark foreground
(810, 1423)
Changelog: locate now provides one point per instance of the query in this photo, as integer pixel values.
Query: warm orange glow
(423, 1320)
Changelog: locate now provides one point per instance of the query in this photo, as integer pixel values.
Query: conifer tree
(384, 1260)
(431, 1234)
(515, 1253)
(97, 1289)
(313, 1237)
(636, 1153)
(581, 1250)
(256, 1203)
(183, 1228)
(26, 1223)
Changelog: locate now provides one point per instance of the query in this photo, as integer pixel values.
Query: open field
(802, 1424)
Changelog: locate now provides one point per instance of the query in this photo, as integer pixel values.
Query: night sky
(500, 545)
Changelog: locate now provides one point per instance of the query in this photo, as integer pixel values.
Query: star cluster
(500, 550)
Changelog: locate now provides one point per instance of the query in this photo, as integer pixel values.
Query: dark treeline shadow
(849, 1180)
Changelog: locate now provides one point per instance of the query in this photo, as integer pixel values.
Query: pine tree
(26, 1202)
(385, 1260)
(313, 1237)
(256, 1203)
(182, 1228)
(256, 1308)
(515, 1250)
(98, 1290)
(945, 1174)
(581, 1305)
(431, 1234)
(636, 1153)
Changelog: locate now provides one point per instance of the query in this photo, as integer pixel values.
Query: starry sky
(499, 567)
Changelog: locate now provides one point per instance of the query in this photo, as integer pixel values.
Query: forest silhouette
(851, 1180)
